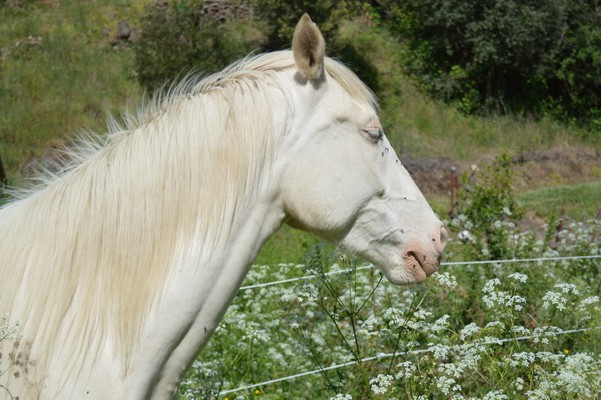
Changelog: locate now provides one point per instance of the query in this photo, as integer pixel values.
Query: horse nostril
(443, 238)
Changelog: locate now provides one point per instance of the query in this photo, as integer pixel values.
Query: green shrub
(487, 207)
(178, 38)
(537, 57)
(281, 17)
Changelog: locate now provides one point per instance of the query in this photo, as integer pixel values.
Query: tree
(532, 56)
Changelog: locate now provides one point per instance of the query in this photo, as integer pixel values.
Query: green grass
(577, 201)
(59, 74)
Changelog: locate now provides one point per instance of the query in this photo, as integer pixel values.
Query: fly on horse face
(121, 266)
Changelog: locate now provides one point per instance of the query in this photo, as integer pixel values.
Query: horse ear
(308, 47)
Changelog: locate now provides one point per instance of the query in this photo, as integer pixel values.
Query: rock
(123, 30)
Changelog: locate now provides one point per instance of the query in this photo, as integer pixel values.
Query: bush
(526, 56)
(486, 209)
(178, 37)
(281, 17)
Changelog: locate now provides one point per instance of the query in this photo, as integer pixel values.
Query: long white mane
(97, 240)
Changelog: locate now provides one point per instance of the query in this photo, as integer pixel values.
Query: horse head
(347, 184)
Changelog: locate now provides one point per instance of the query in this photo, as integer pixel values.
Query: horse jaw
(402, 260)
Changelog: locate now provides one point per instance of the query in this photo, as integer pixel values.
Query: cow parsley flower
(567, 288)
(465, 236)
(523, 359)
(447, 385)
(489, 286)
(556, 299)
(440, 324)
(406, 370)
(445, 279)
(519, 384)
(309, 293)
(469, 330)
(495, 395)
(522, 278)
(341, 396)
(381, 383)
(440, 351)
(587, 302)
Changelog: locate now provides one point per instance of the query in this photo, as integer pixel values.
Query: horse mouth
(419, 266)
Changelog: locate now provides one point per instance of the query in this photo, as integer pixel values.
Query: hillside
(65, 66)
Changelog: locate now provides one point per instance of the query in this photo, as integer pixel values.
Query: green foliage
(486, 205)
(281, 17)
(484, 331)
(526, 56)
(177, 38)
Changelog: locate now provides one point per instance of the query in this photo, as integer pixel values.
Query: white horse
(122, 266)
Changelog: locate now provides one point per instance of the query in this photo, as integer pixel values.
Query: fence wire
(388, 355)
(444, 264)
(419, 351)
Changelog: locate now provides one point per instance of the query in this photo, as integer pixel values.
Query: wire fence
(413, 352)
(388, 355)
(444, 264)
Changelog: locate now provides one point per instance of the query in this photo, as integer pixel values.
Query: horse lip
(418, 260)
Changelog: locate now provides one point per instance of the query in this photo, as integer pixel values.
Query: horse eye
(374, 134)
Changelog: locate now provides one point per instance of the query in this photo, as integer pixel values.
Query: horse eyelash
(375, 134)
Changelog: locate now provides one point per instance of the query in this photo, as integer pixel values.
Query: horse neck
(206, 273)
(167, 217)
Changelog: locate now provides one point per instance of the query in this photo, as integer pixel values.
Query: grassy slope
(58, 74)
(71, 78)
(580, 201)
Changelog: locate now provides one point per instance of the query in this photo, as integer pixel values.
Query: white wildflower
(445, 279)
(308, 293)
(381, 383)
(454, 370)
(440, 324)
(489, 286)
(556, 299)
(422, 314)
(465, 236)
(469, 330)
(523, 359)
(519, 384)
(406, 370)
(522, 278)
(495, 395)
(494, 324)
(368, 327)
(447, 385)
(567, 288)
(542, 334)
(587, 302)
(440, 351)
(341, 396)
(520, 330)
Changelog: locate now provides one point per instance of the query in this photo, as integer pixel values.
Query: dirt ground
(562, 166)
